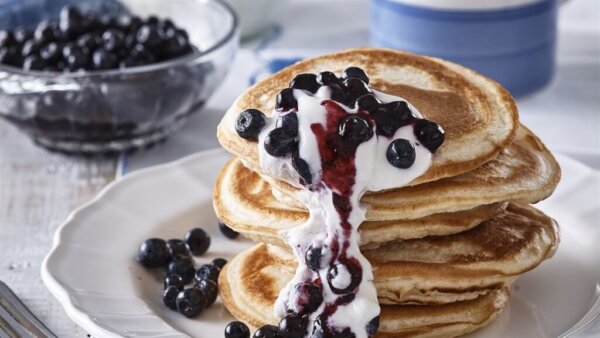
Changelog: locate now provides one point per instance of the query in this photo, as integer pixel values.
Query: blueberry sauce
(339, 150)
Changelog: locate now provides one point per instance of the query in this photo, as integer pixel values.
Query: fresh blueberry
(33, 62)
(313, 258)
(302, 168)
(355, 72)
(77, 59)
(372, 326)
(237, 330)
(174, 280)
(430, 134)
(340, 285)
(338, 93)
(306, 82)
(355, 129)
(152, 20)
(113, 40)
(142, 55)
(153, 253)
(249, 124)
(7, 39)
(10, 56)
(219, 262)
(198, 241)
(102, 59)
(401, 153)
(289, 121)
(107, 21)
(280, 142)
(89, 41)
(178, 248)
(208, 272)
(70, 21)
(210, 290)
(169, 297)
(293, 326)
(401, 111)
(175, 45)
(368, 102)
(310, 297)
(149, 36)
(44, 32)
(50, 52)
(355, 88)
(21, 35)
(227, 231)
(327, 78)
(267, 331)
(191, 302)
(285, 100)
(386, 122)
(183, 267)
(30, 47)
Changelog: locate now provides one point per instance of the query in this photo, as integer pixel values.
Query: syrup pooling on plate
(336, 138)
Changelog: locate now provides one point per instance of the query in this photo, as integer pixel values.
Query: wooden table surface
(38, 189)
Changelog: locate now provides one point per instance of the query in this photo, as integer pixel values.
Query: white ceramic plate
(92, 270)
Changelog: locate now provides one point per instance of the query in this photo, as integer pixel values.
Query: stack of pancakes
(444, 249)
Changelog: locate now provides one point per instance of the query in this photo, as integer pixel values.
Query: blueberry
(401, 153)
(227, 231)
(174, 280)
(10, 56)
(70, 21)
(142, 55)
(310, 297)
(280, 142)
(33, 62)
(152, 20)
(338, 93)
(197, 241)
(169, 297)
(68, 13)
(113, 39)
(237, 330)
(306, 82)
(337, 282)
(372, 326)
(327, 78)
(355, 88)
(77, 59)
(219, 262)
(175, 45)
(44, 32)
(401, 111)
(50, 52)
(267, 331)
(7, 39)
(178, 248)
(430, 134)
(183, 267)
(249, 124)
(313, 258)
(355, 129)
(191, 302)
(102, 59)
(386, 122)
(208, 272)
(355, 72)
(210, 290)
(149, 36)
(153, 253)
(30, 47)
(21, 35)
(289, 121)
(302, 168)
(89, 41)
(107, 21)
(285, 100)
(293, 326)
(368, 102)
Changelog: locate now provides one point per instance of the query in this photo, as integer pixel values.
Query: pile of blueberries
(175, 256)
(351, 89)
(84, 41)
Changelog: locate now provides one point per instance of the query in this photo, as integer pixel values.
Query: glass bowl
(124, 109)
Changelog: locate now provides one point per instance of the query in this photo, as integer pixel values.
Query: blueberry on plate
(184, 267)
(289, 121)
(306, 82)
(249, 124)
(356, 88)
(313, 258)
(227, 231)
(169, 297)
(430, 134)
(237, 330)
(219, 262)
(178, 248)
(386, 122)
(401, 111)
(326, 78)
(198, 241)
(280, 142)
(372, 326)
(267, 331)
(355, 129)
(285, 100)
(311, 297)
(174, 280)
(293, 326)
(401, 153)
(208, 272)
(191, 302)
(210, 290)
(368, 102)
(355, 72)
(153, 253)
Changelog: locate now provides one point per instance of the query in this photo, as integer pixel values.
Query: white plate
(92, 270)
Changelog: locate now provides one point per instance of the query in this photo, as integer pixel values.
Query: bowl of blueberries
(109, 76)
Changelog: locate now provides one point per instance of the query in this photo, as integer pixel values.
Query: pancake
(243, 200)
(250, 283)
(525, 172)
(438, 270)
(479, 116)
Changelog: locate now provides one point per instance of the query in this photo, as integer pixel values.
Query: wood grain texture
(38, 189)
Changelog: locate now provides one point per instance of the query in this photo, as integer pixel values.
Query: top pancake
(479, 117)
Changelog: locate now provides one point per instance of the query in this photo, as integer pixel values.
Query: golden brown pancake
(525, 172)
(479, 116)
